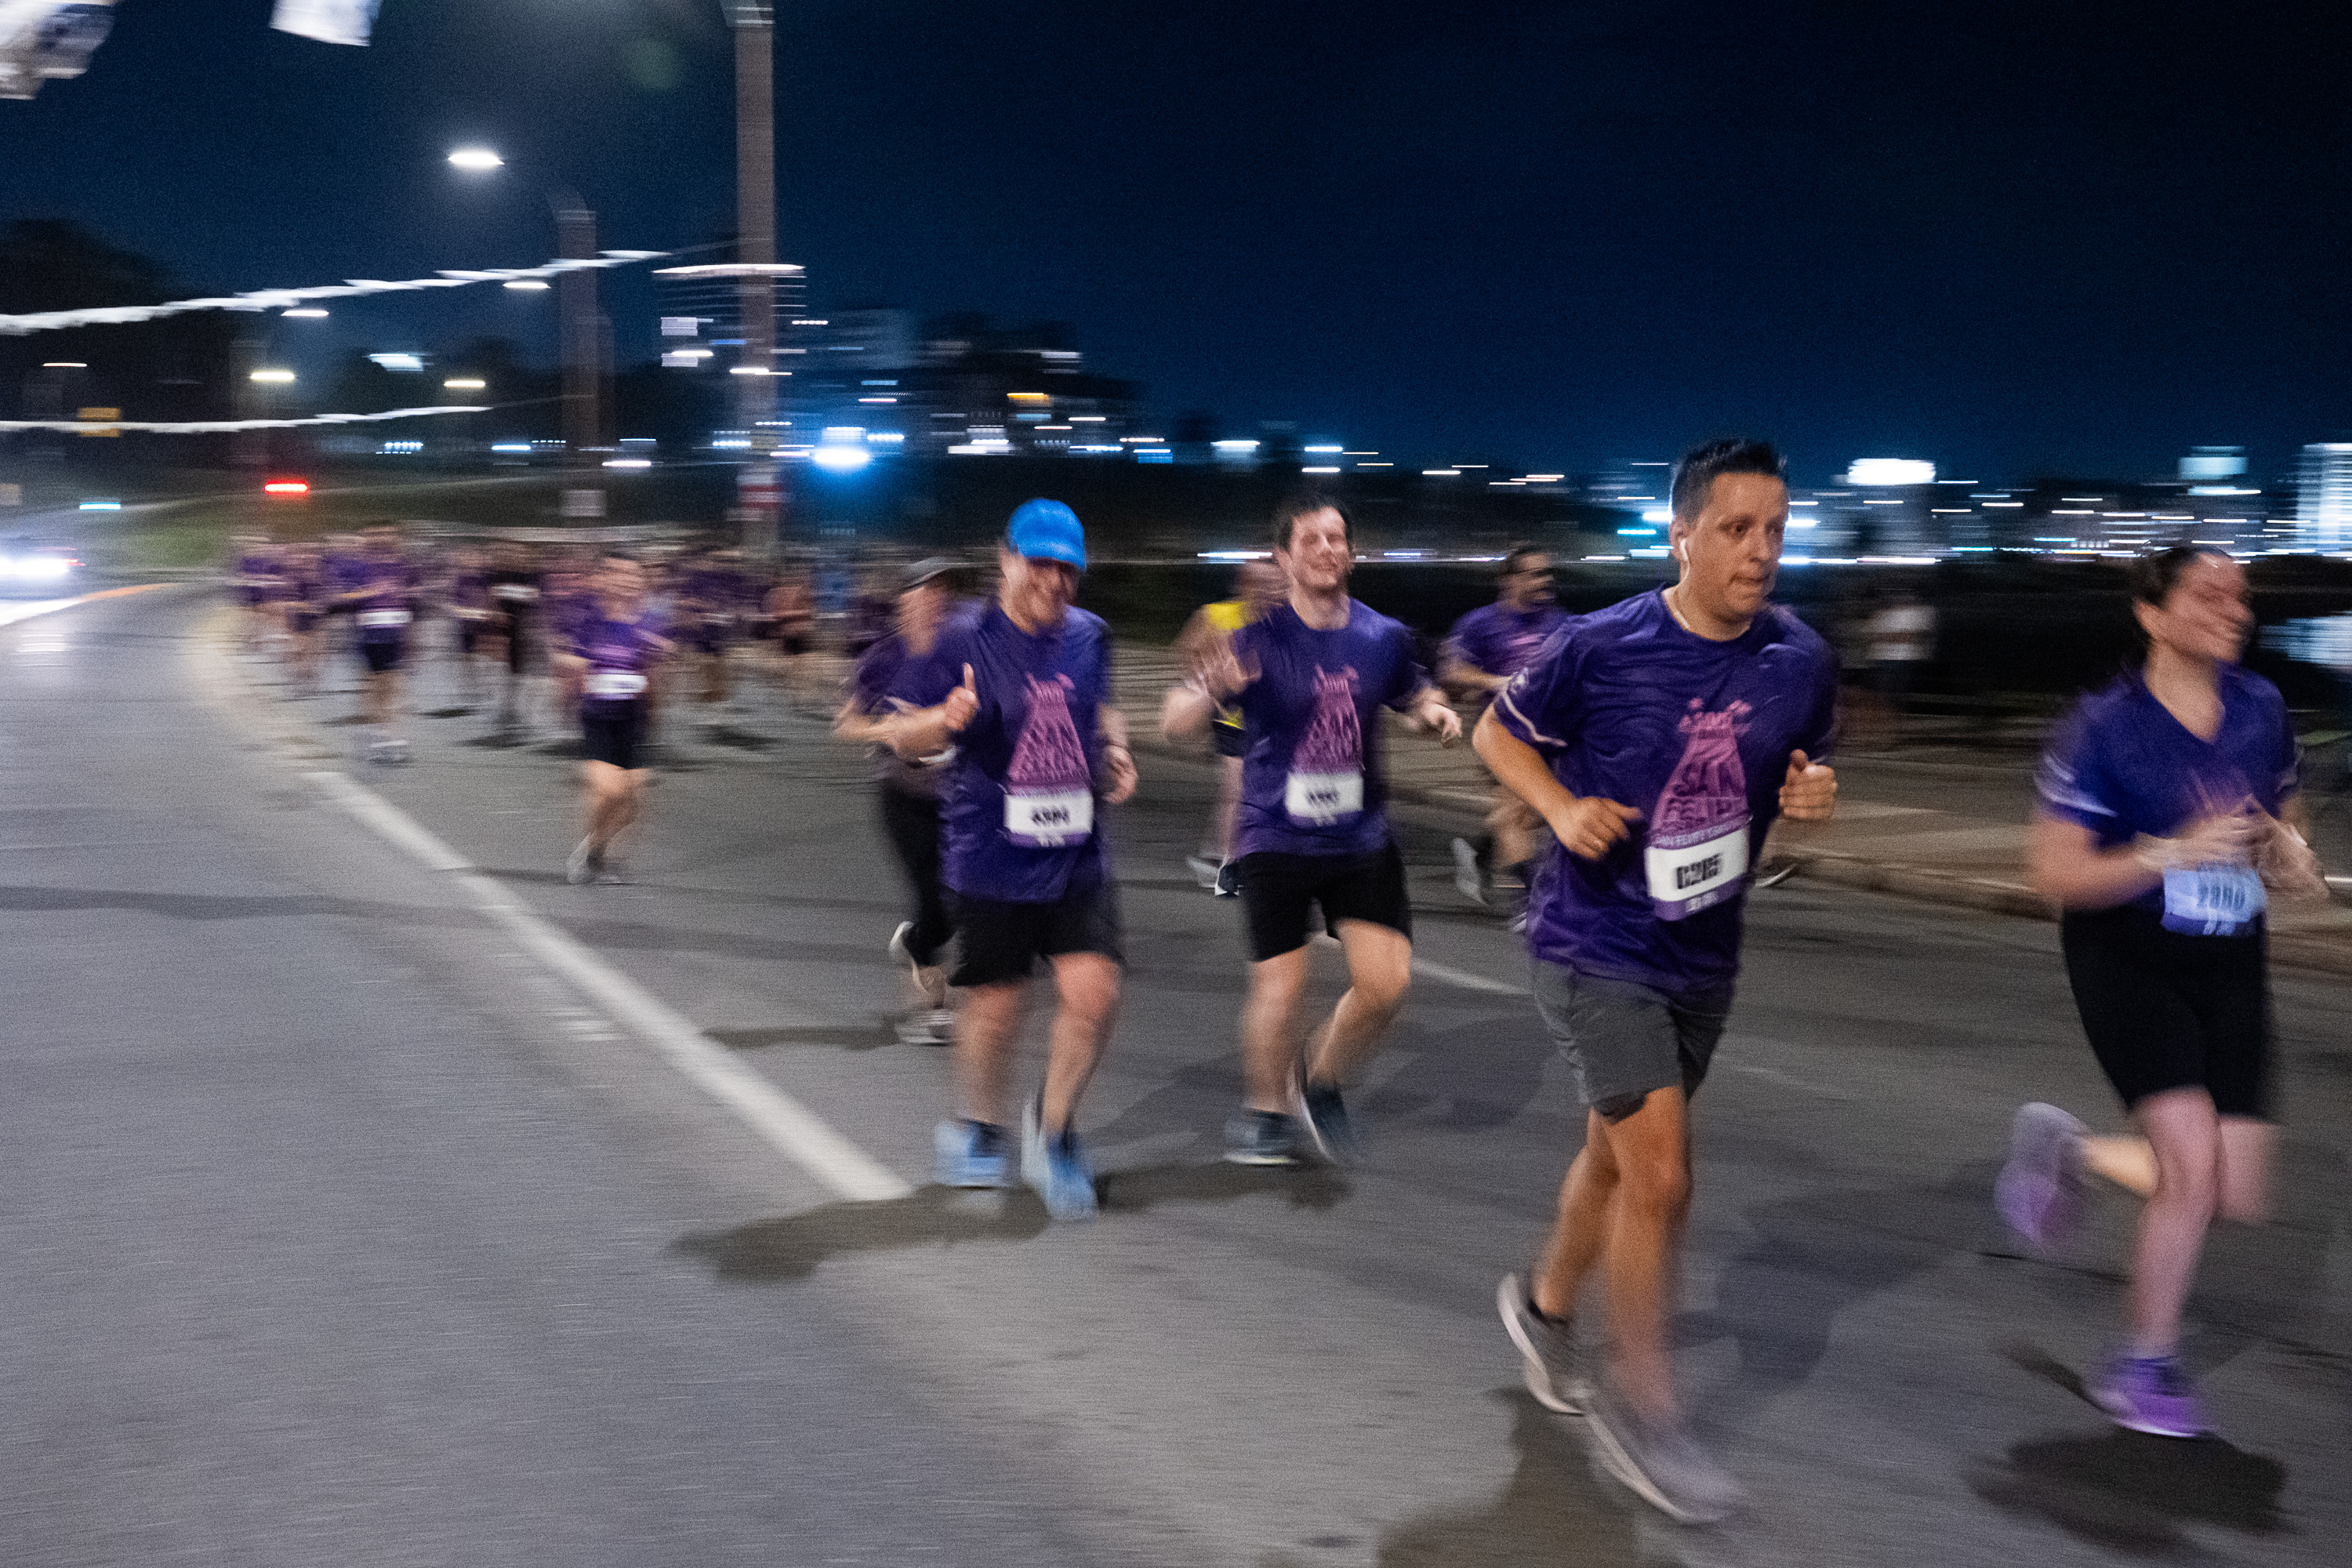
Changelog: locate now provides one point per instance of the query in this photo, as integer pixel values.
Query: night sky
(2012, 238)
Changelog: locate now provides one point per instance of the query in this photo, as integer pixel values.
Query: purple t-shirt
(621, 656)
(890, 673)
(1311, 777)
(2121, 766)
(1501, 641)
(1022, 823)
(1629, 707)
(389, 603)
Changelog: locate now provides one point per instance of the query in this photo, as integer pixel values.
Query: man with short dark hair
(1039, 745)
(1659, 737)
(1486, 648)
(1310, 677)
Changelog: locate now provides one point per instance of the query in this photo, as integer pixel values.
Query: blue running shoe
(1261, 1137)
(1057, 1167)
(1322, 1115)
(970, 1154)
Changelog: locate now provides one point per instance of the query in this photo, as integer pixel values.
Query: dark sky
(2009, 238)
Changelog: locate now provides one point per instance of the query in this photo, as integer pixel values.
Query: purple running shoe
(2040, 1191)
(2148, 1393)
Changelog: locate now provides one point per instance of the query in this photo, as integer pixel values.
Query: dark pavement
(345, 1233)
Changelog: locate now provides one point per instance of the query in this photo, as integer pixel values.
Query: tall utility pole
(583, 356)
(755, 253)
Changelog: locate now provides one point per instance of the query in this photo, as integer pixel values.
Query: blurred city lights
(401, 362)
(274, 377)
(101, 506)
(64, 364)
(305, 314)
(527, 284)
(287, 487)
(1890, 471)
(841, 459)
(475, 159)
(628, 463)
(465, 384)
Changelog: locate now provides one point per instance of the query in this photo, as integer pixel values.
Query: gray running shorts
(1624, 1039)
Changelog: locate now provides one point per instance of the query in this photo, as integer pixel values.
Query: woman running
(2167, 811)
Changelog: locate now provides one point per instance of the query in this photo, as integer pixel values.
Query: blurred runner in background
(2169, 812)
(383, 592)
(616, 648)
(1486, 648)
(1257, 586)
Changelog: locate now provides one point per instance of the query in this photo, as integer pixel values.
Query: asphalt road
(344, 1233)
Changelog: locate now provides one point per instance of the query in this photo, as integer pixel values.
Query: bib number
(1693, 877)
(1050, 820)
(2212, 900)
(614, 685)
(374, 619)
(1322, 799)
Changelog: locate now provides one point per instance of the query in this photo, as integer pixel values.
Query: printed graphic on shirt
(1698, 831)
(1049, 799)
(1327, 770)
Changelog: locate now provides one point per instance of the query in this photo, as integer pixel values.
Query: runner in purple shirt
(1040, 748)
(1486, 648)
(1659, 739)
(614, 647)
(2168, 814)
(1310, 678)
(382, 589)
(903, 672)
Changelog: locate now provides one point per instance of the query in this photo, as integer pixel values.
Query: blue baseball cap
(1047, 531)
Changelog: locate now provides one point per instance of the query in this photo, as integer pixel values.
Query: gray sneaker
(1662, 1466)
(1552, 1362)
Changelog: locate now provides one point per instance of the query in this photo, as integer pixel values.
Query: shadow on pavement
(845, 1037)
(1551, 1513)
(2132, 1492)
(770, 1251)
(227, 906)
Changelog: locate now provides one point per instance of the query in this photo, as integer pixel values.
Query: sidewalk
(1936, 826)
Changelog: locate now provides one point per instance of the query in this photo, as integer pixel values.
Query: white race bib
(1688, 878)
(384, 618)
(1322, 799)
(615, 683)
(1051, 820)
(521, 592)
(2212, 900)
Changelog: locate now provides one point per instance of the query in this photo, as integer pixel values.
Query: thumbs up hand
(1809, 791)
(960, 705)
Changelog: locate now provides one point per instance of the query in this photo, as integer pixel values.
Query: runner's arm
(1586, 826)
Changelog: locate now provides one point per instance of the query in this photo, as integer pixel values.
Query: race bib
(1687, 879)
(519, 593)
(615, 684)
(2212, 900)
(378, 618)
(1322, 799)
(1050, 819)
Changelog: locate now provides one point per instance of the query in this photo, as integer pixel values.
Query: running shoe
(611, 873)
(585, 864)
(926, 1027)
(1324, 1118)
(901, 953)
(2148, 1393)
(970, 1154)
(1204, 870)
(1057, 1167)
(1551, 1360)
(1229, 881)
(2040, 1191)
(1469, 876)
(1261, 1137)
(1662, 1466)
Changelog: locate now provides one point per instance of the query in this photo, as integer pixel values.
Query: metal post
(755, 223)
(575, 293)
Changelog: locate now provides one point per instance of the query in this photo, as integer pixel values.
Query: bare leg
(1379, 969)
(988, 1030)
(1229, 806)
(2186, 1136)
(1270, 1029)
(1651, 1150)
(1581, 1233)
(2246, 1151)
(1089, 984)
(2128, 1162)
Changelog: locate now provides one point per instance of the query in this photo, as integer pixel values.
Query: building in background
(2323, 501)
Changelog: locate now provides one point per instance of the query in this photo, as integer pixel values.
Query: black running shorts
(1280, 891)
(613, 732)
(1230, 738)
(2166, 1010)
(996, 941)
(383, 654)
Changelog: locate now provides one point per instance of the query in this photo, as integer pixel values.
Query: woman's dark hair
(1517, 556)
(1306, 502)
(2154, 575)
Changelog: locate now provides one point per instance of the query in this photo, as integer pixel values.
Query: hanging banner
(41, 40)
(329, 21)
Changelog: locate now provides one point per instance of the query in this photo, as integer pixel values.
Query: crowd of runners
(1654, 744)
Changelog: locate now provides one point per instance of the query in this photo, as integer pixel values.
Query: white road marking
(776, 1117)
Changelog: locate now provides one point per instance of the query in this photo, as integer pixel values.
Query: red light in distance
(287, 487)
